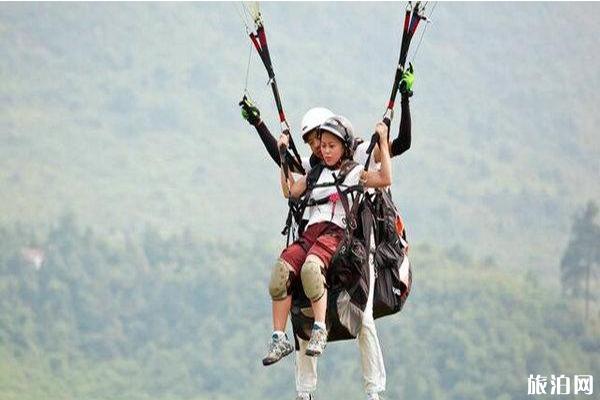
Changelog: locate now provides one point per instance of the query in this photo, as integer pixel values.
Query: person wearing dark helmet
(373, 368)
(308, 258)
(371, 356)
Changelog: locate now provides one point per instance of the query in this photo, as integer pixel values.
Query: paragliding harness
(348, 274)
(393, 273)
(295, 222)
(347, 277)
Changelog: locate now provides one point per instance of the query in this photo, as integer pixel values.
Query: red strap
(406, 19)
(253, 37)
(413, 30)
(261, 36)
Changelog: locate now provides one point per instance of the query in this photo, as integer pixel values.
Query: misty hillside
(126, 115)
(151, 318)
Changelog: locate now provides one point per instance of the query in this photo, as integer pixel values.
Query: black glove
(249, 112)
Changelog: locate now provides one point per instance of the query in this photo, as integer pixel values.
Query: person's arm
(271, 145)
(268, 140)
(252, 114)
(403, 141)
(382, 177)
(289, 186)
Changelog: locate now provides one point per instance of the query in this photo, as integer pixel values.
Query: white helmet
(314, 118)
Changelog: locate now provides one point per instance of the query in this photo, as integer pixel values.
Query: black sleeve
(269, 141)
(271, 145)
(402, 142)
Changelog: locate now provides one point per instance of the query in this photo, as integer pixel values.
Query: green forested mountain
(126, 115)
(159, 318)
(125, 165)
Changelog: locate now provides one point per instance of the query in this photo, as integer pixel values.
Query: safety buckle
(352, 223)
(389, 113)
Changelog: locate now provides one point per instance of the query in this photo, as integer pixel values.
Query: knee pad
(280, 283)
(313, 280)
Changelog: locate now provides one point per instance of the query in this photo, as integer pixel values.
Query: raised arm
(289, 186)
(402, 142)
(252, 114)
(269, 141)
(404, 138)
(382, 177)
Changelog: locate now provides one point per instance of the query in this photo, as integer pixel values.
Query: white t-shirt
(332, 211)
(306, 164)
(360, 156)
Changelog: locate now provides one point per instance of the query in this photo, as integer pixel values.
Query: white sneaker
(317, 342)
(305, 396)
(373, 396)
(279, 347)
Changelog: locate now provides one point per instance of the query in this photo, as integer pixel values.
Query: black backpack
(393, 270)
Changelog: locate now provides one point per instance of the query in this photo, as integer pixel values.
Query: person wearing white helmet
(307, 259)
(371, 356)
(310, 124)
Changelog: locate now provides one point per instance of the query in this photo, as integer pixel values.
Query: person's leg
(313, 282)
(306, 371)
(370, 350)
(279, 288)
(281, 310)
(320, 307)
(374, 379)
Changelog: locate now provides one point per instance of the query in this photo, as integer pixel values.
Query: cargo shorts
(320, 239)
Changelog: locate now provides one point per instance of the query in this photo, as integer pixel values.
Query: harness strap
(367, 226)
(351, 223)
(325, 200)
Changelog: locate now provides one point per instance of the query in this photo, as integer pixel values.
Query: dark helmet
(341, 127)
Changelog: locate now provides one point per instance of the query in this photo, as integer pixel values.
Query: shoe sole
(266, 362)
(312, 353)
